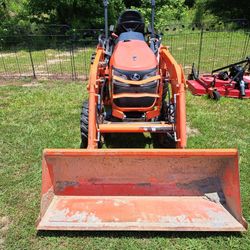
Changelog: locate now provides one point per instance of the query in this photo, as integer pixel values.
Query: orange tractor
(136, 86)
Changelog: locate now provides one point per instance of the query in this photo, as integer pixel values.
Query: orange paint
(134, 127)
(140, 189)
(93, 91)
(133, 54)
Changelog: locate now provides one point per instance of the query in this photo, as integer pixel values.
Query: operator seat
(130, 20)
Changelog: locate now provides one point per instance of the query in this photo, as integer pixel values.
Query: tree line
(29, 15)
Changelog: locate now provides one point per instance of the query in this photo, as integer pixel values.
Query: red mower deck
(201, 86)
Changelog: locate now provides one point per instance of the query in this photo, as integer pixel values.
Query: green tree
(75, 13)
(229, 9)
(167, 11)
(14, 18)
(3, 10)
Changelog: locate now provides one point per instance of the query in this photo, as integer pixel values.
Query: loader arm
(177, 81)
(96, 71)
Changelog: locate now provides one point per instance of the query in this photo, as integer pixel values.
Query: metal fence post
(17, 62)
(246, 44)
(71, 62)
(215, 50)
(4, 66)
(229, 46)
(73, 57)
(200, 49)
(31, 59)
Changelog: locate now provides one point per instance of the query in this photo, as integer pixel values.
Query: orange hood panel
(133, 55)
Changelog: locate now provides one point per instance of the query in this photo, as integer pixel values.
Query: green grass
(218, 49)
(47, 116)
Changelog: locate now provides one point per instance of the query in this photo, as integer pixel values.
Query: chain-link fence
(56, 56)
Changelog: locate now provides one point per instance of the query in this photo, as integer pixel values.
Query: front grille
(142, 102)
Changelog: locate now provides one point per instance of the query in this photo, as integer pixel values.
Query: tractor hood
(133, 55)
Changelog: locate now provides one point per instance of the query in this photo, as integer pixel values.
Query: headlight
(119, 74)
(150, 74)
(135, 76)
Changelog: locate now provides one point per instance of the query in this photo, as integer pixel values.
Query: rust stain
(62, 185)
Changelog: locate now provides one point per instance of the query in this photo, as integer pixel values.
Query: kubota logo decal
(135, 77)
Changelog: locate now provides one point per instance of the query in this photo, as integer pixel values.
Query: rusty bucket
(138, 189)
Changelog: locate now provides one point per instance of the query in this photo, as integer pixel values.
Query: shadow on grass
(135, 140)
(137, 234)
(132, 140)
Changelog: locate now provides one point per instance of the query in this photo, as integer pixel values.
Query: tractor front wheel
(84, 124)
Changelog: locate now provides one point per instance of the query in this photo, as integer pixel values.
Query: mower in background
(234, 82)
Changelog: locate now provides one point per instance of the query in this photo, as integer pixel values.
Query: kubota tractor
(136, 86)
(134, 74)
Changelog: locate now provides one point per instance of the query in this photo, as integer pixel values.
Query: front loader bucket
(138, 189)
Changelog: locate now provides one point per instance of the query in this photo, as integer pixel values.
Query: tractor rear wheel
(84, 124)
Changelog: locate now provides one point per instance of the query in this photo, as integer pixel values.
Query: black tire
(84, 124)
(215, 95)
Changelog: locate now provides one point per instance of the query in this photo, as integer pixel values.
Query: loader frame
(168, 67)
